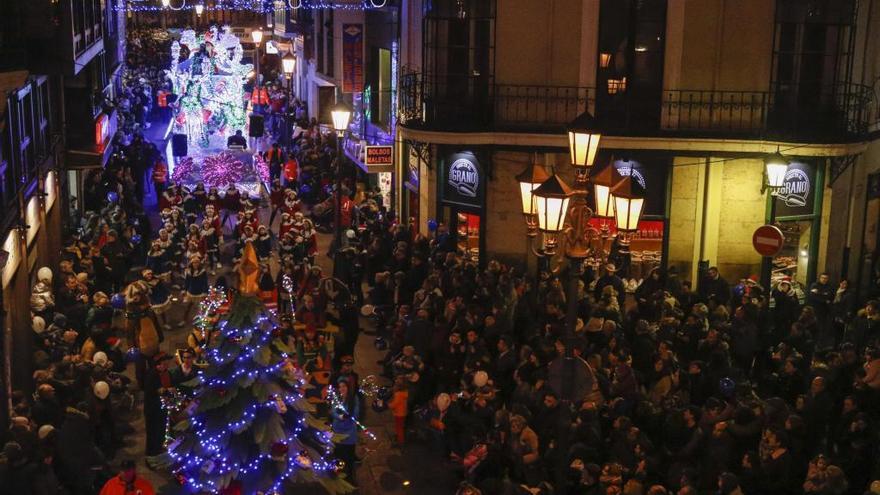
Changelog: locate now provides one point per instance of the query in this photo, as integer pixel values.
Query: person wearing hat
(160, 296)
(127, 482)
(610, 278)
(195, 286)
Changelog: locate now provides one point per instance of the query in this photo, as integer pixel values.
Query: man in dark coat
(77, 452)
(714, 287)
(157, 380)
(610, 278)
(505, 365)
(418, 333)
(47, 409)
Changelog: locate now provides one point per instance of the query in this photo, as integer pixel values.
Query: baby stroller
(323, 215)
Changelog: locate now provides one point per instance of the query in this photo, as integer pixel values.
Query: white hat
(481, 378)
(102, 390)
(100, 358)
(44, 431)
(443, 401)
(44, 274)
(38, 324)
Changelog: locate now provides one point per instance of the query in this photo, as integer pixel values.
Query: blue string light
(254, 6)
(206, 467)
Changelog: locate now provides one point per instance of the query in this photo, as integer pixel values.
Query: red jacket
(116, 486)
(291, 170)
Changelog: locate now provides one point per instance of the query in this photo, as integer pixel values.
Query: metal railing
(838, 112)
(468, 103)
(474, 102)
(540, 106)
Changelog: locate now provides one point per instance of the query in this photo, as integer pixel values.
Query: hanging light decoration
(552, 198)
(775, 166)
(603, 182)
(530, 179)
(583, 142)
(629, 201)
(340, 114)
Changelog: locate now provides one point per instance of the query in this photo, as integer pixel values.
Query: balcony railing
(840, 113)
(836, 113)
(475, 102)
(540, 106)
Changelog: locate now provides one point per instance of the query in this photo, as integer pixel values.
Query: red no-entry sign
(768, 240)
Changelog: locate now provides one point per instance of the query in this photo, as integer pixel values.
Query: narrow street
(385, 469)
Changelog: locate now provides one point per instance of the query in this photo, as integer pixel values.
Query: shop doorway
(467, 235)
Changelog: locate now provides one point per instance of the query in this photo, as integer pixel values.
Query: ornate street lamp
(583, 142)
(551, 201)
(288, 65)
(629, 201)
(529, 180)
(340, 114)
(257, 36)
(603, 181)
(775, 167)
(288, 62)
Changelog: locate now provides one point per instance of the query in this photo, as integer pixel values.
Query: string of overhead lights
(261, 6)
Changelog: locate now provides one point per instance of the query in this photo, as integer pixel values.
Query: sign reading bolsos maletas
(379, 156)
(768, 240)
(463, 181)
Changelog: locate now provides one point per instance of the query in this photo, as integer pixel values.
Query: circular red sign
(768, 240)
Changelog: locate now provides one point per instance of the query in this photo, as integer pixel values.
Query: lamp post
(341, 114)
(775, 168)
(288, 64)
(257, 37)
(529, 180)
(563, 216)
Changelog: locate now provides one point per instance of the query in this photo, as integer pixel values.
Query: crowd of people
(664, 390)
(725, 390)
(96, 371)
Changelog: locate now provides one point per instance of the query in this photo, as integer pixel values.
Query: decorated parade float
(208, 77)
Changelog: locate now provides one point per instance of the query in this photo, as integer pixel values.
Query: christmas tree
(249, 428)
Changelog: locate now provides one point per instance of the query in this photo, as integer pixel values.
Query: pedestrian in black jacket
(714, 288)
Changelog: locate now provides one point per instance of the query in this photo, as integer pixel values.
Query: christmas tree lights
(249, 425)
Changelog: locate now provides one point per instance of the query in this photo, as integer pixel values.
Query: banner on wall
(411, 181)
(352, 58)
(463, 180)
(797, 195)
